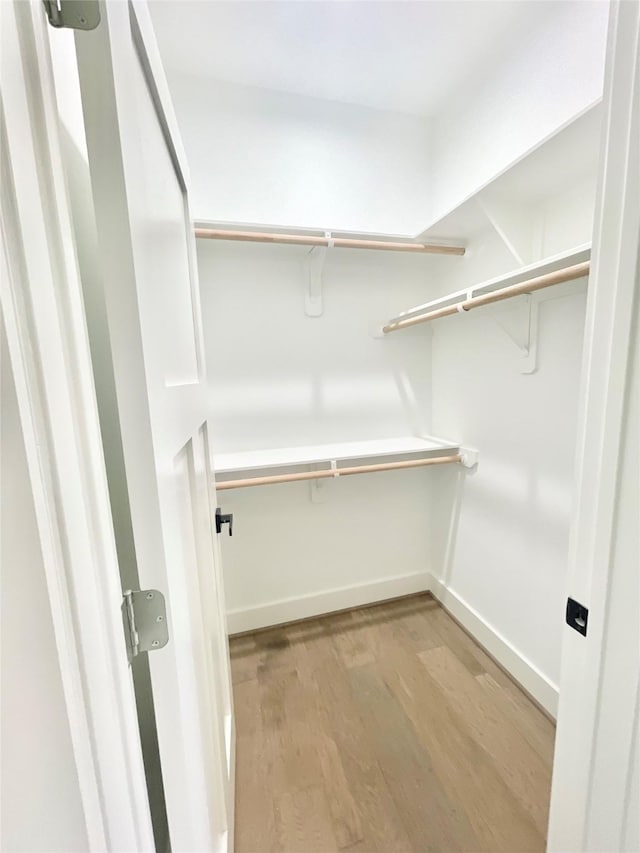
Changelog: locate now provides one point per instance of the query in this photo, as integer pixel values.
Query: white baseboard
(290, 609)
(521, 669)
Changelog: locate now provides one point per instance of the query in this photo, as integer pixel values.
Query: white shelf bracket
(514, 226)
(518, 319)
(315, 260)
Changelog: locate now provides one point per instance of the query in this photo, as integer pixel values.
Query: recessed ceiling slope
(404, 56)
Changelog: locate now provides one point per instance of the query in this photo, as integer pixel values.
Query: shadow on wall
(409, 375)
(447, 496)
(279, 378)
(503, 493)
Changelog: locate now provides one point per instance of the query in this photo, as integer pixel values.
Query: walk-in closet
(334, 270)
(393, 257)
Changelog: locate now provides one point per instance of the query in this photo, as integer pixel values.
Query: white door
(105, 799)
(147, 257)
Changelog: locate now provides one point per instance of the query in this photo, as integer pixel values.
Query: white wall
(41, 805)
(260, 156)
(524, 97)
(506, 563)
(566, 220)
(280, 378)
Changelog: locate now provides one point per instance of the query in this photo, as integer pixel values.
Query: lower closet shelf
(381, 455)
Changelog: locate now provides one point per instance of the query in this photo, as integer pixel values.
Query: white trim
(44, 317)
(50, 544)
(317, 604)
(531, 679)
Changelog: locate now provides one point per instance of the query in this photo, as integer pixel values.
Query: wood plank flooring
(384, 729)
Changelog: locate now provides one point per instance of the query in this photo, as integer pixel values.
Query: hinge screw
(149, 595)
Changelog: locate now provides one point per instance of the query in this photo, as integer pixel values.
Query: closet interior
(393, 308)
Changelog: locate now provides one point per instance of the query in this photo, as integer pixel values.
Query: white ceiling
(387, 54)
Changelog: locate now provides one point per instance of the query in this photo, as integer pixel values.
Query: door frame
(614, 289)
(43, 311)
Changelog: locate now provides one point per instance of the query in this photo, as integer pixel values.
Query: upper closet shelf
(565, 266)
(561, 161)
(252, 460)
(426, 450)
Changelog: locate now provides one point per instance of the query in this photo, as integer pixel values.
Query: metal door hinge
(144, 615)
(75, 14)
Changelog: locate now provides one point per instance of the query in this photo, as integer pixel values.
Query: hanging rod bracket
(319, 490)
(518, 319)
(314, 263)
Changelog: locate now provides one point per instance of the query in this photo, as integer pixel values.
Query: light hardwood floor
(384, 729)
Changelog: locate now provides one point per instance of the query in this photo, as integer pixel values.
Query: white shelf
(284, 457)
(568, 156)
(577, 255)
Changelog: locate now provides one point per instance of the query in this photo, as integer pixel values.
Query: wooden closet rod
(336, 472)
(339, 242)
(533, 284)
